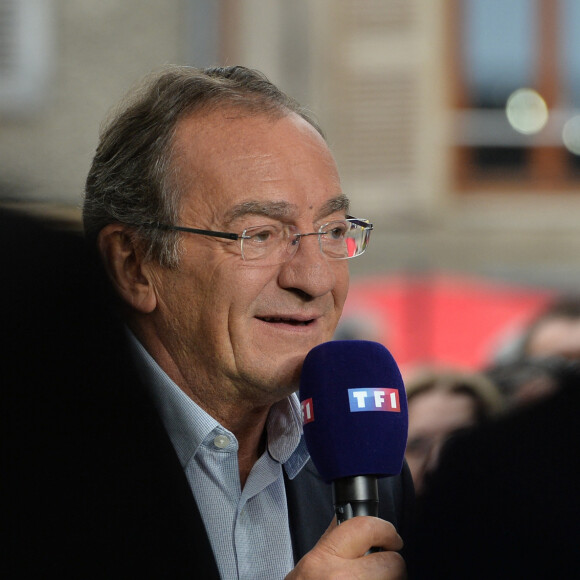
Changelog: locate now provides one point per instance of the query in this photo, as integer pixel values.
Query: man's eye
(336, 233)
(262, 235)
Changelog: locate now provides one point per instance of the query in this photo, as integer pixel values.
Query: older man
(218, 211)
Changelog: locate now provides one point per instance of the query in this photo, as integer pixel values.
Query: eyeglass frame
(236, 237)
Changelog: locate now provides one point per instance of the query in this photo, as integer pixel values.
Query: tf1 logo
(374, 400)
(370, 399)
(307, 411)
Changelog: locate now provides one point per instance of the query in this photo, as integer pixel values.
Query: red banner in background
(439, 319)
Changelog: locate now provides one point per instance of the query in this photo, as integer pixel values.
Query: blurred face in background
(433, 416)
(557, 336)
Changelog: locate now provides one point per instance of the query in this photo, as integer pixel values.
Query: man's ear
(123, 261)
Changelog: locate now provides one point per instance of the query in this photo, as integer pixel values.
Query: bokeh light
(527, 111)
(571, 135)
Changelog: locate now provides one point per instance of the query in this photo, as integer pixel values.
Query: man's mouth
(281, 320)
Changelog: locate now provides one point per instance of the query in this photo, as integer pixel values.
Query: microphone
(354, 411)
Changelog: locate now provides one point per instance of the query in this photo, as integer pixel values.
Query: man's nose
(308, 269)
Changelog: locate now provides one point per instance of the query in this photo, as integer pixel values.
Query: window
(516, 94)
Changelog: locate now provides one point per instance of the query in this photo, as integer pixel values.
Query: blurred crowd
(494, 458)
(443, 401)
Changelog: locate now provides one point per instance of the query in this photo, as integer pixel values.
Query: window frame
(547, 168)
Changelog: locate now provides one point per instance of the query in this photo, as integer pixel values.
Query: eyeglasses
(277, 243)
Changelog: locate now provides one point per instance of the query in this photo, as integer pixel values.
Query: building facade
(412, 95)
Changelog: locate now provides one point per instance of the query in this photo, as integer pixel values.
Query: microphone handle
(357, 495)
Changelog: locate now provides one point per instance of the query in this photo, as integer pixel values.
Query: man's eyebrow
(283, 209)
(339, 203)
(274, 209)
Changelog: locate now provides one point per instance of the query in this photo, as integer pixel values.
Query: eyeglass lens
(338, 240)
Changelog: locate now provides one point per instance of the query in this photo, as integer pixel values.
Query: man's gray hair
(132, 179)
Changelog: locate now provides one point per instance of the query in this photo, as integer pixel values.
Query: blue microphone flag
(354, 409)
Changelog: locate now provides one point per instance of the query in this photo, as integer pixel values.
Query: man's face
(237, 326)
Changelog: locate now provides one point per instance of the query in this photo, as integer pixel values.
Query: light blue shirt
(248, 528)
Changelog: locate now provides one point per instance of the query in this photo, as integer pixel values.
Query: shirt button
(221, 441)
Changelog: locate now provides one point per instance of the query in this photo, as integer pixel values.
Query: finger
(353, 538)
(388, 565)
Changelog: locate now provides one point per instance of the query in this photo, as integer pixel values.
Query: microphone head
(354, 409)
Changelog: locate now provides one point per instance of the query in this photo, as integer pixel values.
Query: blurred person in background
(548, 343)
(440, 403)
(503, 502)
(555, 332)
(525, 380)
(74, 425)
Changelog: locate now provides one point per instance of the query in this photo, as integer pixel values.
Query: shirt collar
(188, 425)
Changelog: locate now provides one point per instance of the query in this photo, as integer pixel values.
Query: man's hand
(342, 553)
